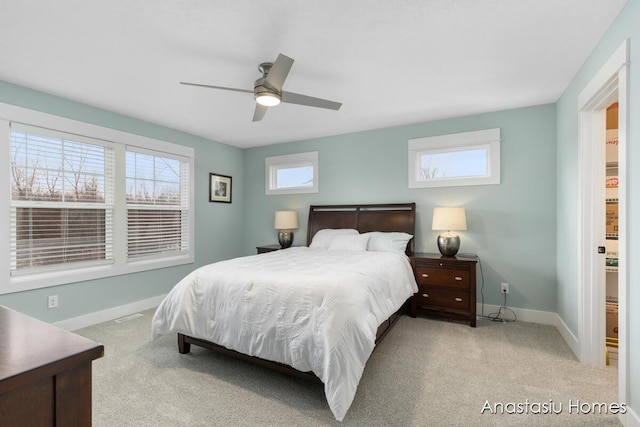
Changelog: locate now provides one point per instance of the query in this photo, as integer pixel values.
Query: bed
(315, 312)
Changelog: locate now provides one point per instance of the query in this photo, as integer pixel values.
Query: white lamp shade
(286, 220)
(449, 219)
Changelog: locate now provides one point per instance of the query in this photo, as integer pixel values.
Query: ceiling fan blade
(258, 114)
(279, 72)
(217, 87)
(296, 98)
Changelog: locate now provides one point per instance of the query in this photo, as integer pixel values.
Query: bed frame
(364, 218)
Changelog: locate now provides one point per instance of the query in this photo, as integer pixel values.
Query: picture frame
(220, 187)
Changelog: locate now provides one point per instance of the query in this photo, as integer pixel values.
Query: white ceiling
(390, 62)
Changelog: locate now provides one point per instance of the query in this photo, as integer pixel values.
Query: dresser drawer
(451, 298)
(428, 275)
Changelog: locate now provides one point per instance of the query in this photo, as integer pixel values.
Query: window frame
(181, 206)
(289, 161)
(488, 139)
(69, 144)
(120, 140)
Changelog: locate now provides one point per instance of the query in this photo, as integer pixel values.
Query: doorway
(610, 84)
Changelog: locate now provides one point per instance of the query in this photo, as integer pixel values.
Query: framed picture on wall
(219, 188)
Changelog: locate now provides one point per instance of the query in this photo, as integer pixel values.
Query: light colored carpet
(425, 373)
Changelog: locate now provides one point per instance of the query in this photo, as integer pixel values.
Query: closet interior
(611, 264)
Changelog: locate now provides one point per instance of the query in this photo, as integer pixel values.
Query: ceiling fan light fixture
(267, 90)
(267, 99)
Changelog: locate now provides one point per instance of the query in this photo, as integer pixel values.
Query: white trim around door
(609, 85)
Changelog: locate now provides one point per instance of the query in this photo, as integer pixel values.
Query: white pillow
(388, 242)
(322, 239)
(348, 242)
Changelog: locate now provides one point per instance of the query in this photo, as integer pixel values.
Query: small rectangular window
(291, 174)
(470, 158)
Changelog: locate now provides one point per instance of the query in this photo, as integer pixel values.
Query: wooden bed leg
(183, 346)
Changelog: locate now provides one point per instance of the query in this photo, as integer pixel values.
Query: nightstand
(446, 286)
(267, 248)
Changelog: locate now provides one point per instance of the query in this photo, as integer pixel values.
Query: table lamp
(286, 222)
(449, 220)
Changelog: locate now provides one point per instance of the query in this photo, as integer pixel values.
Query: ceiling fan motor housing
(263, 93)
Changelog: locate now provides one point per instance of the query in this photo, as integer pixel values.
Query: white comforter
(315, 310)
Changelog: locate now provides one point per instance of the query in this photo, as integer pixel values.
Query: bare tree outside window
(154, 217)
(79, 209)
(430, 168)
(69, 177)
(57, 194)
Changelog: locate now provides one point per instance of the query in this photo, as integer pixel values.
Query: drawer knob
(425, 295)
(425, 275)
(459, 299)
(458, 278)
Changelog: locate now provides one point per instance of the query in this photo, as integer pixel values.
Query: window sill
(48, 279)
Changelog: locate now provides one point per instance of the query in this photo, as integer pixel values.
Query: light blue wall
(625, 26)
(511, 226)
(218, 225)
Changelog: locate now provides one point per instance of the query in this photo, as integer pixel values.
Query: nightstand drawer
(442, 277)
(428, 296)
(446, 286)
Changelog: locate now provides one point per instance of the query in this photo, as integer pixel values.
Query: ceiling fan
(267, 90)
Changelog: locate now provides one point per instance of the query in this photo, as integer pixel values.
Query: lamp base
(285, 238)
(448, 243)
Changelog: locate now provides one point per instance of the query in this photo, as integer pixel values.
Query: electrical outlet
(52, 301)
(504, 288)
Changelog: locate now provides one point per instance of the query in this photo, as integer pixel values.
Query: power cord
(494, 317)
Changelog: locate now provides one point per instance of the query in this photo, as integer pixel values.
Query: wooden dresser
(45, 373)
(446, 286)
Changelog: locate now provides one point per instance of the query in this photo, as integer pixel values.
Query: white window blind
(157, 204)
(76, 211)
(61, 200)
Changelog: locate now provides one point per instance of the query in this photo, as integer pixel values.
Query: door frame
(610, 84)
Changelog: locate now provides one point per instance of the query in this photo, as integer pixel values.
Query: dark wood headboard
(364, 218)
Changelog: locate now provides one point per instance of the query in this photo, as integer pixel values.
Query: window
(61, 200)
(470, 158)
(157, 206)
(88, 202)
(292, 174)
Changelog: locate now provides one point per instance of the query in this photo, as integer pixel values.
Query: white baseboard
(109, 314)
(631, 418)
(569, 337)
(523, 314)
(537, 316)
